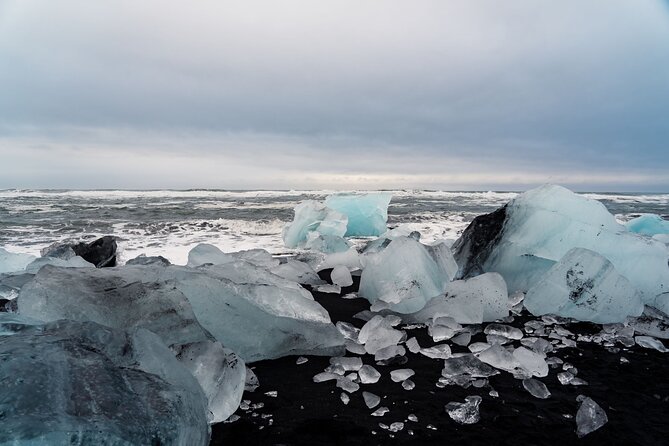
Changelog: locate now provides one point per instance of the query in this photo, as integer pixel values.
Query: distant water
(169, 223)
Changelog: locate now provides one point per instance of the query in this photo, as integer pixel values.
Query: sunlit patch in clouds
(302, 94)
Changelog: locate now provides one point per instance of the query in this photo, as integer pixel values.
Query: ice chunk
(379, 333)
(349, 259)
(441, 351)
(400, 375)
(13, 262)
(523, 239)
(467, 412)
(536, 388)
(298, 272)
(82, 383)
(368, 374)
(143, 259)
(349, 331)
(371, 400)
(506, 331)
(479, 299)
(341, 276)
(73, 262)
(649, 342)
(412, 345)
(584, 285)
(531, 361)
(326, 243)
(590, 416)
(648, 224)
(381, 411)
(116, 298)
(347, 385)
(252, 382)
(407, 384)
(467, 364)
(389, 352)
(366, 213)
(257, 257)
(500, 358)
(205, 253)
(312, 216)
(404, 276)
(347, 363)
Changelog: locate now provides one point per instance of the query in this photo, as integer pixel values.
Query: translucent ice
(205, 253)
(368, 374)
(503, 330)
(467, 412)
(590, 416)
(367, 213)
(326, 243)
(649, 342)
(13, 262)
(298, 272)
(534, 363)
(400, 375)
(467, 365)
(404, 276)
(379, 333)
(312, 216)
(648, 224)
(347, 363)
(73, 262)
(523, 239)
(584, 285)
(82, 383)
(536, 388)
(341, 276)
(371, 400)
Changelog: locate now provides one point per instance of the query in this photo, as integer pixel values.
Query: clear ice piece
(467, 412)
(590, 416)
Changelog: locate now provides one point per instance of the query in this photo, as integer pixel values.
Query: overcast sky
(334, 94)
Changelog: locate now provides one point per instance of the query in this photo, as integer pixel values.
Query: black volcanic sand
(635, 396)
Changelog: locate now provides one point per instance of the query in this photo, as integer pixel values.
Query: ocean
(171, 222)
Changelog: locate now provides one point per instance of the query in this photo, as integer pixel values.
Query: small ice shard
(500, 358)
(381, 411)
(298, 272)
(584, 285)
(576, 381)
(336, 369)
(205, 253)
(378, 333)
(349, 259)
(477, 347)
(396, 426)
(648, 224)
(11, 262)
(366, 214)
(463, 339)
(349, 331)
(412, 417)
(536, 388)
(312, 216)
(412, 345)
(251, 383)
(590, 416)
(354, 347)
(347, 385)
(371, 400)
(389, 352)
(368, 374)
(531, 361)
(441, 351)
(400, 375)
(341, 276)
(467, 412)
(344, 398)
(272, 394)
(503, 330)
(301, 360)
(440, 333)
(650, 342)
(325, 376)
(347, 363)
(328, 289)
(479, 299)
(408, 384)
(404, 276)
(467, 364)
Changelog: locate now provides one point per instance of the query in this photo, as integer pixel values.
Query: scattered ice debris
(371, 400)
(467, 412)
(301, 360)
(408, 384)
(590, 416)
(649, 342)
(341, 276)
(381, 411)
(431, 427)
(536, 388)
(400, 375)
(344, 398)
(368, 374)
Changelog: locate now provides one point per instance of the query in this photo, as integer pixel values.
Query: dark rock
(149, 260)
(477, 242)
(101, 253)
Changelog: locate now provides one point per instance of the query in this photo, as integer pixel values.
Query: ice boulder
(72, 262)
(204, 253)
(524, 239)
(406, 275)
(118, 298)
(584, 285)
(312, 216)
(480, 299)
(648, 224)
(367, 213)
(70, 382)
(11, 262)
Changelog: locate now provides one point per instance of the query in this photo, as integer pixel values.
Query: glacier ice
(404, 276)
(82, 383)
(378, 333)
(584, 285)
(648, 224)
(118, 299)
(312, 216)
(467, 412)
(72, 262)
(589, 417)
(523, 239)
(341, 276)
(11, 262)
(205, 253)
(367, 214)
(368, 374)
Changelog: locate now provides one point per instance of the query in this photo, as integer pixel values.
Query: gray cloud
(303, 94)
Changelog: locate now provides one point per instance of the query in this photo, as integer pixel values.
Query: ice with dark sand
(544, 323)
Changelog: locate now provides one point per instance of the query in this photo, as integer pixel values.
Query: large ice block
(205, 253)
(367, 213)
(584, 285)
(648, 224)
(405, 275)
(118, 298)
(11, 262)
(71, 382)
(526, 237)
(312, 216)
